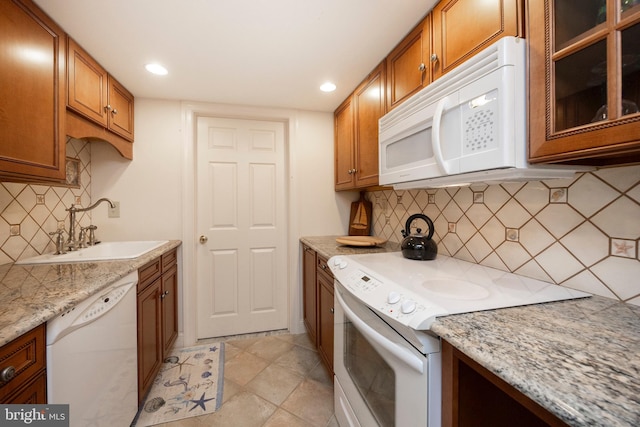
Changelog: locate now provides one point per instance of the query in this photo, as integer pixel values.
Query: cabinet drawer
(34, 393)
(26, 354)
(169, 259)
(323, 267)
(148, 273)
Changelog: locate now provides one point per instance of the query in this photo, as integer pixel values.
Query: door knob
(204, 239)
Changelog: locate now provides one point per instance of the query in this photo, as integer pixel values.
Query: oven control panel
(384, 296)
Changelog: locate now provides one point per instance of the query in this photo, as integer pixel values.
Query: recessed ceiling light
(156, 69)
(328, 87)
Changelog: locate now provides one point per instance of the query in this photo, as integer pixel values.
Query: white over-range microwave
(468, 126)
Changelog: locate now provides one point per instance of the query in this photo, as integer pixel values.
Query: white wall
(154, 188)
(321, 211)
(149, 187)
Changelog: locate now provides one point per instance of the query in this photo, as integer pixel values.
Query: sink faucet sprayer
(71, 240)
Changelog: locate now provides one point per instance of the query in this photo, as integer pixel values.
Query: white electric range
(386, 361)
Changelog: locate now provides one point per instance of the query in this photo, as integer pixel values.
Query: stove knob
(393, 297)
(408, 306)
(340, 263)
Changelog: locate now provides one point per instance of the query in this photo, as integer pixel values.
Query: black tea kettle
(418, 246)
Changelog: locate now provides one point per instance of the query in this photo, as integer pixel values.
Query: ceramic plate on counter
(361, 240)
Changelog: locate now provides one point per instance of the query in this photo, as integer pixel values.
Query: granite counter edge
(35, 316)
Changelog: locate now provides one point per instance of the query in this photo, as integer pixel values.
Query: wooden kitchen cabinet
(344, 145)
(317, 284)
(408, 64)
(584, 84)
(99, 106)
(473, 396)
(32, 94)
(325, 314)
(169, 300)
(356, 133)
(87, 91)
(309, 298)
(462, 28)
(157, 316)
(23, 376)
(149, 335)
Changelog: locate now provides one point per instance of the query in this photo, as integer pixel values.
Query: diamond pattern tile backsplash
(582, 233)
(29, 212)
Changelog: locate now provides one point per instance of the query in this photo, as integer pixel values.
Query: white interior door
(241, 200)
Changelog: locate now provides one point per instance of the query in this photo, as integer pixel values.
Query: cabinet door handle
(7, 374)
(422, 67)
(332, 310)
(433, 58)
(114, 111)
(108, 107)
(203, 239)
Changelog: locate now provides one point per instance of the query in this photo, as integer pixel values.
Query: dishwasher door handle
(91, 309)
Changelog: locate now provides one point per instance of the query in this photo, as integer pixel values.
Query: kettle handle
(407, 227)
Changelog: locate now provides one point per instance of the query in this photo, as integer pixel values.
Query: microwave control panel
(480, 123)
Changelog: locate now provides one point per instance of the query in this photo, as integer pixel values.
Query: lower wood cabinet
(23, 376)
(317, 289)
(474, 396)
(157, 316)
(325, 317)
(309, 294)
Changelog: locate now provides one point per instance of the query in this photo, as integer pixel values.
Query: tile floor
(271, 381)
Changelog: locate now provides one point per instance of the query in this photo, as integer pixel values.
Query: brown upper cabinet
(584, 81)
(96, 96)
(454, 31)
(32, 94)
(462, 28)
(408, 64)
(356, 133)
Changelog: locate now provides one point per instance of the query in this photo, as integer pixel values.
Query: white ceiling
(272, 53)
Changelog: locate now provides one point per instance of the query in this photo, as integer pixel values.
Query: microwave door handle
(435, 135)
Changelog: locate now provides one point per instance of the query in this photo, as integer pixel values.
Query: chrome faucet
(72, 243)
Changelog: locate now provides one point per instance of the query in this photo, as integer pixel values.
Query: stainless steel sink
(104, 251)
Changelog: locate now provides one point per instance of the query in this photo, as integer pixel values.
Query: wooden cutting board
(361, 240)
(360, 217)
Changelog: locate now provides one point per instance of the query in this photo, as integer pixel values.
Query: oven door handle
(400, 352)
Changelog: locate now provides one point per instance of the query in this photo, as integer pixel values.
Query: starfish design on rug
(179, 364)
(200, 402)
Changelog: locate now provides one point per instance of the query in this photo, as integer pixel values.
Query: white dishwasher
(92, 357)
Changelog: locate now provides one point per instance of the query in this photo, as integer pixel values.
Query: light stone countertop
(328, 247)
(578, 359)
(32, 294)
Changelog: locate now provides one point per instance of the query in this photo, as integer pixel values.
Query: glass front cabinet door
(584, 81)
